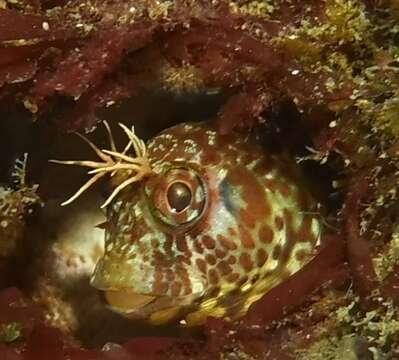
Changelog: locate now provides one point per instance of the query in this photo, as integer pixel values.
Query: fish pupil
(179, 196)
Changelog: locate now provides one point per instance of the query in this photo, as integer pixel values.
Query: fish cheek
(225, 193)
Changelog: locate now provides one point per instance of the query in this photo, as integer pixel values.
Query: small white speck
(182, 322)
(332, 124)
(295, 72)
(109, 247)
(4, 223)
(45, 26)
(132, 10)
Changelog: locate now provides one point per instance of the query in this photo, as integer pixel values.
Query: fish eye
(179, 196)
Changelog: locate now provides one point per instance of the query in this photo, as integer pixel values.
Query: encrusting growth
(112, 163)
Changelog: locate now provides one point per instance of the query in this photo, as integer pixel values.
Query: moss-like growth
(10, 332)
(379, 326)
(354, 333)
(336, 60)
(181, 80)
(331, 348)
(347, 21)
(14, 206)
(262, 9)
(388, 258)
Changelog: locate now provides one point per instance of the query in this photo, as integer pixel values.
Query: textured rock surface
(322, 76)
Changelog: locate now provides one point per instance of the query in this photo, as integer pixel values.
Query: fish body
(217, 224)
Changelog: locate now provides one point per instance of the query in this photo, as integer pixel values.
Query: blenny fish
(199, 224)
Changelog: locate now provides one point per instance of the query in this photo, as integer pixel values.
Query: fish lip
(122, 311)
(116, 274)
(143, 311)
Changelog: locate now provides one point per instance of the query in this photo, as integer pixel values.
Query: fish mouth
(127, 292)
(126, 302)
(153, 309)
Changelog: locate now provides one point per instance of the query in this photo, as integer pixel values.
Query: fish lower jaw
(153, 309)
(124, 301)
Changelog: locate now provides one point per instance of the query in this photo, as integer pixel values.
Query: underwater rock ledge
(321, 79)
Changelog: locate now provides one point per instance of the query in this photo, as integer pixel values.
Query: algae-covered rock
(15, 204)
(322, 77)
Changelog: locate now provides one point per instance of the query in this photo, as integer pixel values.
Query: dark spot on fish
(225, 195)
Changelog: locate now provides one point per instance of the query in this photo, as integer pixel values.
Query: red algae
(15, 308)
(235, 112)
(335, 61)
(326, 267)
(391, 285)
(44, 343)
(359, 254)
(15, 25)
(40, 341)
(93, 62)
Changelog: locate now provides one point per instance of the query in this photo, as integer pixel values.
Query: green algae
(15, 204)
(10, 332)
(353, 333)
(262, 9)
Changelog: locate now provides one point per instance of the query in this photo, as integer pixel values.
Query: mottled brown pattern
(226, 243)
(276, 252)
(185, 280)
(160, 287)
(232, 260)
(154, 243)
(220, 254)
(246, 262)
(213, 276)
(266, 234)
(235, 231)
(168, 243)
(233, 277)
(305, 234)
(198, 246)
(231, 231)
(248, 218)
(279, 222)
(175, 288)
(301, 254)
(291, 237)
(210, 259)
(246, 239)
(261, 257)
(170, 275)
(184, 260)
(253, 192)
(208, 242)
(202, 265)
(181, 244)
(224, 268)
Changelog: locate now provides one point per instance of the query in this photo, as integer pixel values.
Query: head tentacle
(113, 162)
